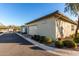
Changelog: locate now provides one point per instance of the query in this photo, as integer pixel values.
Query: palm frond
(72, 8)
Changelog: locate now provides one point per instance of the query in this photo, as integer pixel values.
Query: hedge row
(42, 39)
(65, 43)
(58, 44)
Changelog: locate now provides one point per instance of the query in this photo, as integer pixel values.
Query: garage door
(33, 30)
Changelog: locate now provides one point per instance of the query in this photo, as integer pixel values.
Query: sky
(21, 13)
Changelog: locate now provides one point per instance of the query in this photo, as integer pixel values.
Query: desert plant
(59, 44)
(72, 36)
(46, 40)
(69, 44)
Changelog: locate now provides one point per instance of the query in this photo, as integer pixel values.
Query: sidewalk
(61, 52)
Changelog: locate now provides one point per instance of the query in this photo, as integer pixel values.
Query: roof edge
(57, 11)
(37, 19)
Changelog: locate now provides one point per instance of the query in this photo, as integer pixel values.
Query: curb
(50, 49)
(2, 34)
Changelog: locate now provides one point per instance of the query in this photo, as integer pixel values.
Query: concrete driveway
(13, 45)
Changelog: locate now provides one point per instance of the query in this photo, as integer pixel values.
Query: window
(72, 27)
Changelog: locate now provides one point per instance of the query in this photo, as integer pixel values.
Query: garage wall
(45, 27)
(33, 30)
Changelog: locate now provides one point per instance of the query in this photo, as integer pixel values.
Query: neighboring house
(54, 25)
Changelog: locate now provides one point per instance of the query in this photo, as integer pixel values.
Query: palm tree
(73, 8)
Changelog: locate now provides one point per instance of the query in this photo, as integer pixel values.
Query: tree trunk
(77, 28)
(76, 32)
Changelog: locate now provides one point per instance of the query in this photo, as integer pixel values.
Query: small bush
(72, 36)
(76, 40)
(59, 44)
(46, 40)
(69, 44)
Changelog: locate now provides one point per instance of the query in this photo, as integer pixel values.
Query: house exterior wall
(66, 29)
(51, 27)
(33, 30)
(45, 27)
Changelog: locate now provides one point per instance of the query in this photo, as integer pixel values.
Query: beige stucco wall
(45, 27)
(48, 27)
(66, 28)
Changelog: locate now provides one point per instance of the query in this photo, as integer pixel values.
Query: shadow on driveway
(36, 48)
(13, 38)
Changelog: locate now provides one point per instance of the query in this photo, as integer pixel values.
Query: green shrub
(69, 44)
(46, 40)
(59, 44)
(72, 36)
(76, 40)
